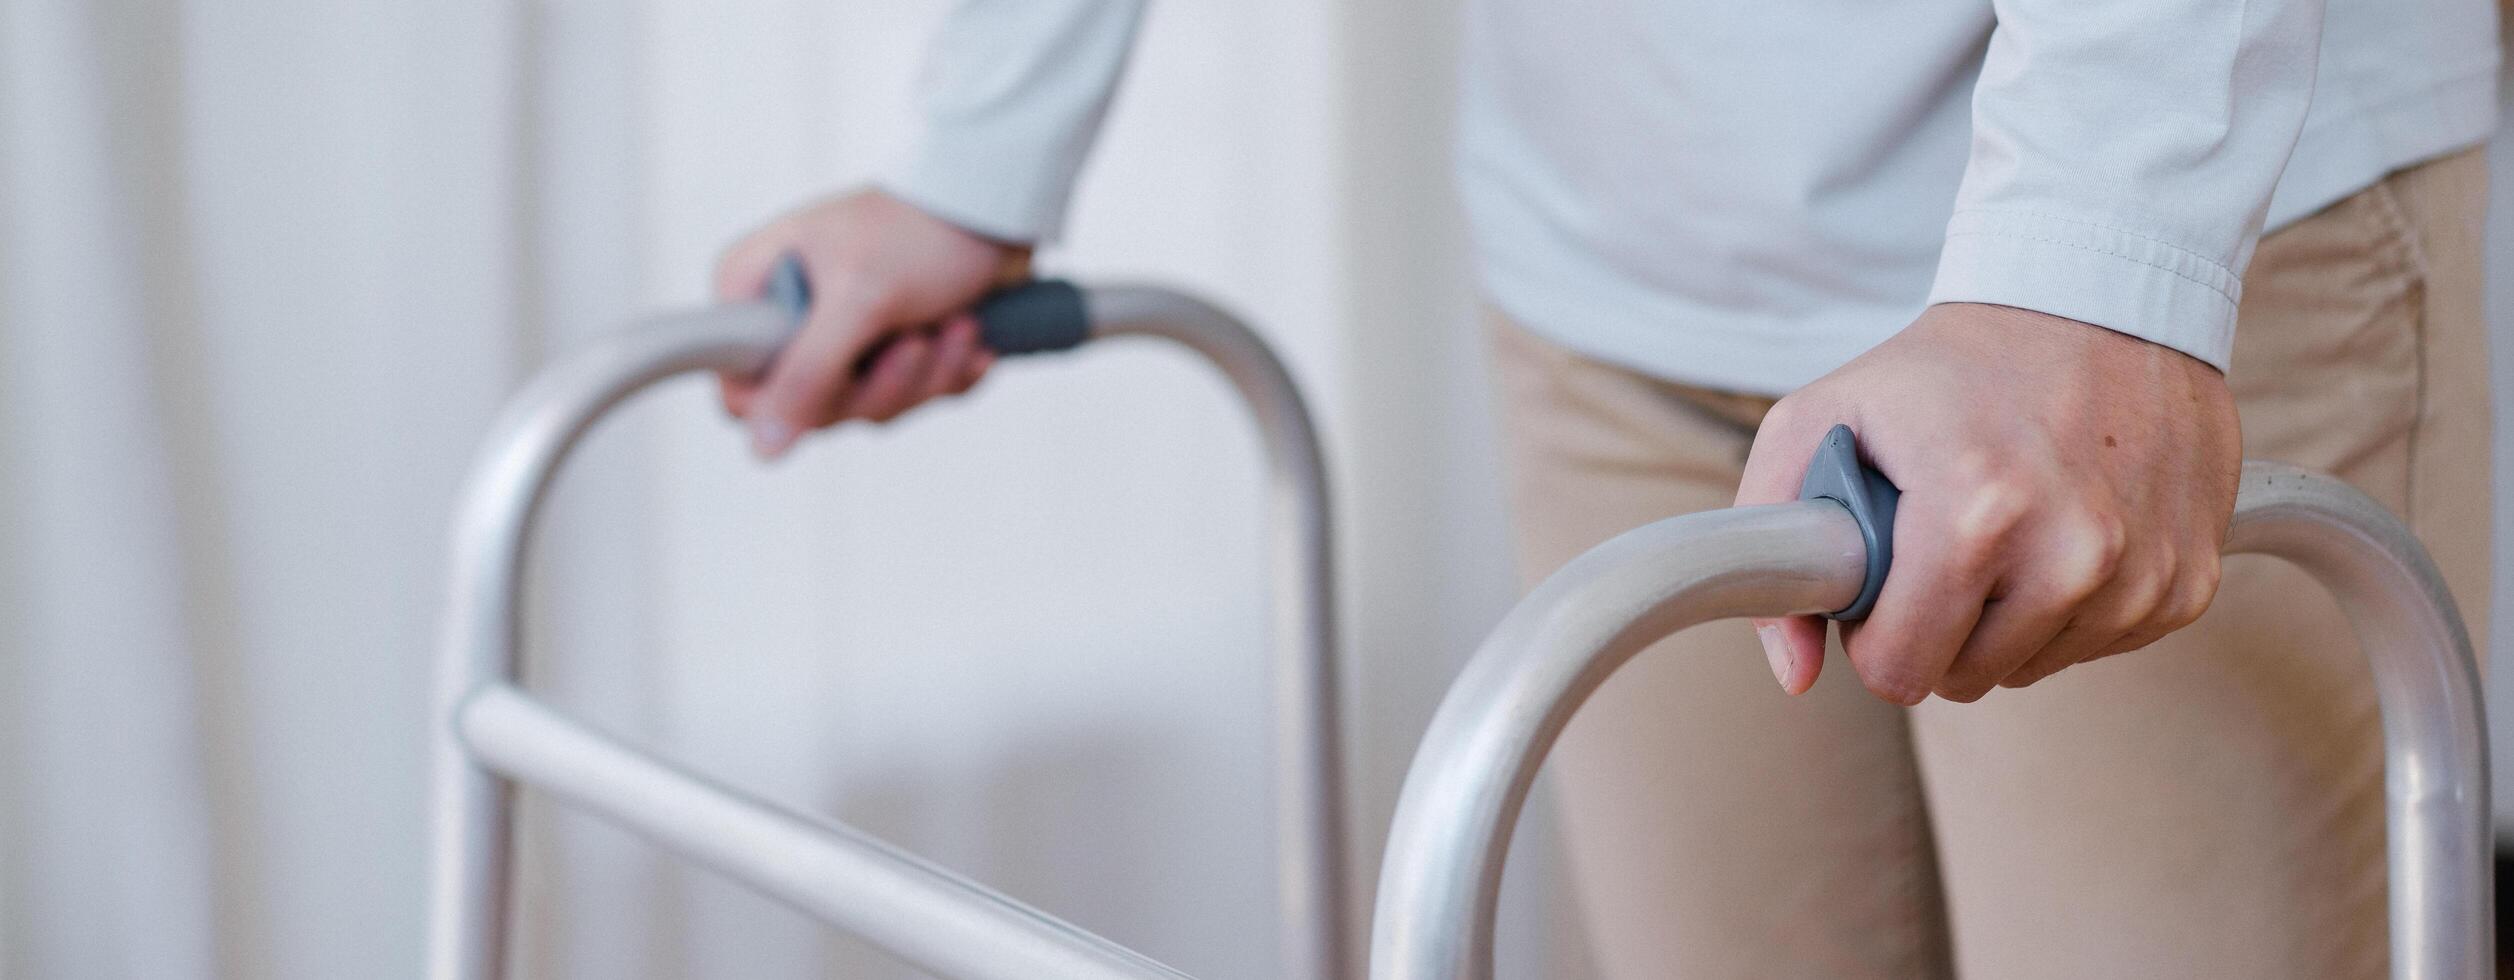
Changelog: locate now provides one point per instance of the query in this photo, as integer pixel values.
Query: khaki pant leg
(2213, 806)
(1714, 827)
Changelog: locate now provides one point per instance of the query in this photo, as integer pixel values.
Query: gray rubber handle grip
(1836, 474)
(1031, 318)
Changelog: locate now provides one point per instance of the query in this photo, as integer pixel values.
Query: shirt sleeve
(1013, 93)
(2123, 156)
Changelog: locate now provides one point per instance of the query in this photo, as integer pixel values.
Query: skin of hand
(2066, 490)
(889, 327)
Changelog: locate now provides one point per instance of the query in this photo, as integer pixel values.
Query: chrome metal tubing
(963, 929)
(471, 810)
(1440, 879)
(2426, 679)
(1441, 876)
(944, 923)
(1310, 815)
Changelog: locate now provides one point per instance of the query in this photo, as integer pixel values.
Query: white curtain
(268, 267)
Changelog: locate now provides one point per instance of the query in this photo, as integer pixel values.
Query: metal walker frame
(492, 734)
(1440, 880)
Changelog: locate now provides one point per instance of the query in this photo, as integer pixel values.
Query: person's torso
(1747, 195)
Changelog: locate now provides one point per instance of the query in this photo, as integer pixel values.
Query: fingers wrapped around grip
(877, 287)
(2065, 490)
(2036, 603)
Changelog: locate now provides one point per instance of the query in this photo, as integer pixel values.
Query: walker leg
(470, 839)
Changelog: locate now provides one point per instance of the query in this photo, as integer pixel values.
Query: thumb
(741, 274)
(1775, 467)
(742, 271)
(809, 378)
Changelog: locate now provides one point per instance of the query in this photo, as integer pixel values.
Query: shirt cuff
(965, 181)
(2093, 273)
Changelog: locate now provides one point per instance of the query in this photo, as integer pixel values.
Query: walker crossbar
(1440, 881)
(488, 734)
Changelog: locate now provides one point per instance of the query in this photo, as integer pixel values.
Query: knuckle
(2187, 608)
(1895, 683)
(2201, 578)
(2069, 580)
(2108, 536)
(2190, 599)
(1990, 511)
(2090, 549)
(2147, 599)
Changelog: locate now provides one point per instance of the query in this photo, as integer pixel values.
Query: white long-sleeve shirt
(1747, 195)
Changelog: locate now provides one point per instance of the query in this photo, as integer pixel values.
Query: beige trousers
(2208, 807)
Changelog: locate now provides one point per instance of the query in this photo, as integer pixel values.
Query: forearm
(2123, 156)
(1013, 95)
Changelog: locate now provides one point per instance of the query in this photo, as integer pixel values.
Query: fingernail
(770, 437)
(1776, 651)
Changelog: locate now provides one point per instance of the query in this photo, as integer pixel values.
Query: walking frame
(1440, 879)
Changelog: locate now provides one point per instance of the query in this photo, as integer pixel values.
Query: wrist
(2093, 274)
(2012, 325)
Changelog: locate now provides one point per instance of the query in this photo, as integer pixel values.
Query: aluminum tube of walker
(471, 807)
(938, 921)
(1442, 871)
